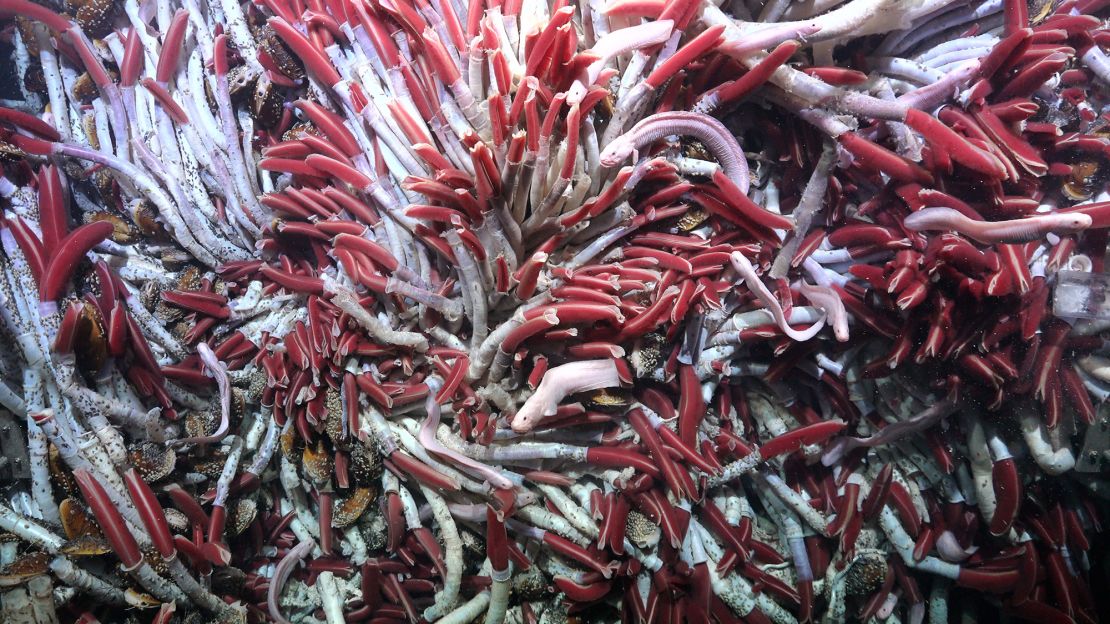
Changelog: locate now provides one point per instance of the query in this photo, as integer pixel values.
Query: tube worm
(52, 215)
(110, 520)
(27, 121)
(782, 444)
(944, 138)
(70, 252)
(497, 553)
(151, 513)
(1007, 487)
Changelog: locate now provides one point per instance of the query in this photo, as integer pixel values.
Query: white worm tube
(346, 300)
(499, 594)
(198, 594)
(100, 590)
(813, 517)
(40, 473)
(330, 599)
(32, 532)
(539, 516)
(48, 59)
(1098, 62)
(574, 514)
(979, 459)
(468, 611)
(903, 544)
(1051, 460)
(453, 558)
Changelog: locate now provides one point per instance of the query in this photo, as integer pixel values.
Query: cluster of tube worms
(528, 311)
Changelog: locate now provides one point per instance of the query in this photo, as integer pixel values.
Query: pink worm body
(752, 281)
(714, 134)
(827, 299)
(427, 437)
(626, 40)
(560, 381)
(282, 572)
(218, 370)
(995, 232)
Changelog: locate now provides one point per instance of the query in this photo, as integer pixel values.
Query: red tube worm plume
(151, 513)
(794, 440)
(688, 53)
(497, 545)
(963, 152)
(193, 554)
(316, 63)
(32, 145)
(582, 594)
(172, 108)
(408, 465)
(39, 13)
(879, 597)
(326, 504)
(117, 330)
(569, 549)
(650, 439)
(93, 65)
(332, 127)
(691, 405)
(736, 90)
(992, 581)
(67, 329)
(52, 214)
(671, 439)
(395, 521)
(610, 457)
(1007, 489)
(903, 504)
(214, 549)
(880, 489)
(29, 122)
(31, 247)
(172, 45)
(132, 59)
(872, 156)
(111, 522)
(70, 252)
(722, 530)
(188, 505)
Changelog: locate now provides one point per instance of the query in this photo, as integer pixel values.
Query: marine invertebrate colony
(641, 310)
